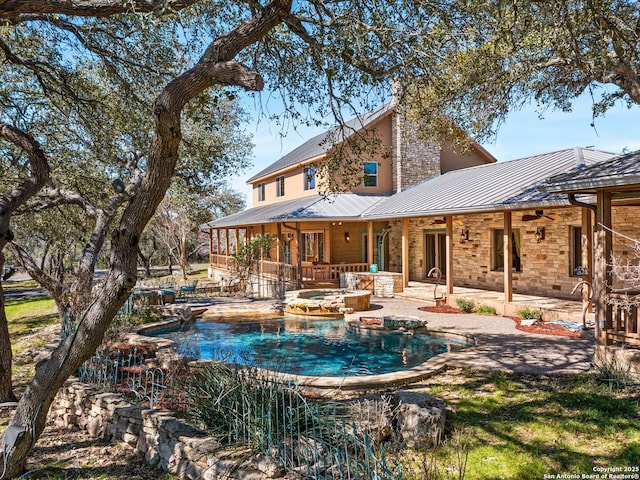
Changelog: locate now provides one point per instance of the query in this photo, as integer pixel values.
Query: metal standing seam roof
(495, 186)
(335, 206)
(619, 171)
(324, 142)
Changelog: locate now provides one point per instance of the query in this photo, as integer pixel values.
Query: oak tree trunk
(215, 67)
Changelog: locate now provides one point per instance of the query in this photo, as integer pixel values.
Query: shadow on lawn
(542, 424)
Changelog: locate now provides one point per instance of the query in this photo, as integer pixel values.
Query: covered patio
(614, 184)
(553, 309)
(312, 240)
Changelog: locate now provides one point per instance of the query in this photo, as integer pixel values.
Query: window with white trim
(261, 190)
(310, 177)
(370, 174)
(280, 186)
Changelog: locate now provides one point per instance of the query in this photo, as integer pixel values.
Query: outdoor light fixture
(464, 235)
(347, 237)
(539, 234)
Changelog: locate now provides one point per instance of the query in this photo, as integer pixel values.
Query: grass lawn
(524, 426)
(512, 426)
(25, 315)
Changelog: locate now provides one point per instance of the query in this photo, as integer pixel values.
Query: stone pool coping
(430, 367)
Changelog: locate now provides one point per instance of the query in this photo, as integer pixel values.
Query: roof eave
(590, 185)
(472, 210)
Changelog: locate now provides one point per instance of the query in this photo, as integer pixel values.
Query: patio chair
(188, 289)
(167, 292)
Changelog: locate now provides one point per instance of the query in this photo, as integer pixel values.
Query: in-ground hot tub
(327, 302)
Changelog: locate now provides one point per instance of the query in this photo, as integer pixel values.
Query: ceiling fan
(443, 221)
(540, 216)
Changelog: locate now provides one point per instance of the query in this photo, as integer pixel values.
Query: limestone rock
(419, 419)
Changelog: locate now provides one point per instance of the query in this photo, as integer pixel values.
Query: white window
(261, 192)
(310, 177)
(280, 186)
(370, 174)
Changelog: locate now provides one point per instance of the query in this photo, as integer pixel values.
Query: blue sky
(523, 134)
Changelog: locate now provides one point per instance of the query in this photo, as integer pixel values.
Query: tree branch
(12, 9)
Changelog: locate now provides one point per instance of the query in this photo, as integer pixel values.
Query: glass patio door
(435, 253)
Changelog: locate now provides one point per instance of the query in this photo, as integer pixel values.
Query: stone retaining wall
(161, 438)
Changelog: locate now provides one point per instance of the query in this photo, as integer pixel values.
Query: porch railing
(623, 326)
(331, 271)
(221, 261)
(289, 273)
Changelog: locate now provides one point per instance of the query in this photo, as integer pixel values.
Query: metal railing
(129, 375)
(311, 439)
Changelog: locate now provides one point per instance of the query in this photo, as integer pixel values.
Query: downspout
(595, 288)
(577, 203)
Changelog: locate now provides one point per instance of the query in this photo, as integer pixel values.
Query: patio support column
(226, 239)
(370, 242)
(218, 247)
(603, 256)
(279, 254)
(237, 240)
(586, 243)
(508, 260)
(449, 255)
(405, 252)
(299, 253)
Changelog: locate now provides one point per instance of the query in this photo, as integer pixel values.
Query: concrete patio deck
(552, 308)
(500, 345)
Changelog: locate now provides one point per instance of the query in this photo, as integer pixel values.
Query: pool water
(306, 346)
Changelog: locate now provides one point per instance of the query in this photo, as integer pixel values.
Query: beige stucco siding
(294, 176)
(452, 160)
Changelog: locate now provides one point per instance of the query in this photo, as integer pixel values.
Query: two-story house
(317, 235)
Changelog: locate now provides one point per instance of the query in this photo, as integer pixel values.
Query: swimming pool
(307, 346)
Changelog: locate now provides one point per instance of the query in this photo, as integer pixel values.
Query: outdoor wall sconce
(464, 235)
(347, 237)
(539, 234)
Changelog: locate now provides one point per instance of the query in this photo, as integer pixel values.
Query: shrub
(485, 310)
(466, 306)
(530, 314)
(610, 370)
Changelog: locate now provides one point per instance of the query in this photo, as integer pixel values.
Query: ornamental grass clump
(485, 310)
(530, 314)
(466, 306)
(264, 413)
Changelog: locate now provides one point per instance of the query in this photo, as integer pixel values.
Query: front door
(435, 253)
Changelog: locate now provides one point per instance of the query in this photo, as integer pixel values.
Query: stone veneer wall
(413, 160)
(162, 439)
(544, 266)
